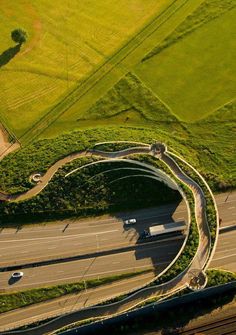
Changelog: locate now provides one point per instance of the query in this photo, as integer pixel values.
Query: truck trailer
(172, 227)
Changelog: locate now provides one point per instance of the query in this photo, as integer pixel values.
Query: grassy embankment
(209, 141)
(16, 300)
(93, 190)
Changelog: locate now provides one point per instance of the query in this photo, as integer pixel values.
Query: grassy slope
(57, 53)
(210, 142)
(16, 168)
(193, 70)
(98, 189)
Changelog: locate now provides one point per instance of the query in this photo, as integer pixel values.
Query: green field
(66, 42)
(169, 79)
(194, 69)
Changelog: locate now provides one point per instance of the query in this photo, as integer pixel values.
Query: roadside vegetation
(187, 255)
(210, 207)
(219, 277)
(191, 245)
(19, 299)
(171, 320)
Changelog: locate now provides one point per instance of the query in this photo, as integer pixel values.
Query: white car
(17, 274)
(130, 221)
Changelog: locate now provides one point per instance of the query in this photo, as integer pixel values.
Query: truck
(172, 227)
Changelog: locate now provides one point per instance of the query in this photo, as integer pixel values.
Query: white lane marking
(217, 259)
(228, 249)
(62, 237)
(95, 274)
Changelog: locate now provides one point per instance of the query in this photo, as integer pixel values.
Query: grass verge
(25, 298)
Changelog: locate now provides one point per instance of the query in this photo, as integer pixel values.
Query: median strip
(84, 256)
(28, 297)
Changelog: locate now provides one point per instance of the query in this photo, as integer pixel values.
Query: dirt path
(5, 146)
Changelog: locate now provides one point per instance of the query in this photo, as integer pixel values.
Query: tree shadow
(8, 54)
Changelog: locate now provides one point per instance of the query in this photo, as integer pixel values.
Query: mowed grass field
(66, 42)
(191, 70)
(194, 69)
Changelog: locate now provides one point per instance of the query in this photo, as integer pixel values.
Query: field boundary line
(71, 96)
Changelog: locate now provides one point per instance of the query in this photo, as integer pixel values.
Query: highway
(156, 254)
(77, 237)
(40, 242)
(93, 296)
(225, 255)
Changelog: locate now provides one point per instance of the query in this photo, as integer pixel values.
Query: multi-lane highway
(68, 238)
(86, 237)
(89, 233)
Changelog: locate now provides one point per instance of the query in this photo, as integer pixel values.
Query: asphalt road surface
(159, 254)
(225, 255)
(87, 236)
(69, 238)
(150, 254)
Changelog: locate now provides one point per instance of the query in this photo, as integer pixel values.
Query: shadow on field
(8, 54)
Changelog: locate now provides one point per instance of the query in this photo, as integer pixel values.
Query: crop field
(169, 72)
(65, 43)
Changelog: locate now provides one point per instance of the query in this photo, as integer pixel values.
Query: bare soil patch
(6, 145)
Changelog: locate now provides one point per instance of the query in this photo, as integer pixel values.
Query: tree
(19, 36)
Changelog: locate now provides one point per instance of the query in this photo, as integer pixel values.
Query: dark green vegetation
(24, 298)
(19, 36)
(190, 248)
(210, 207)
(112, 147)
(93, 190)
(16, 168)
(218, 277)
